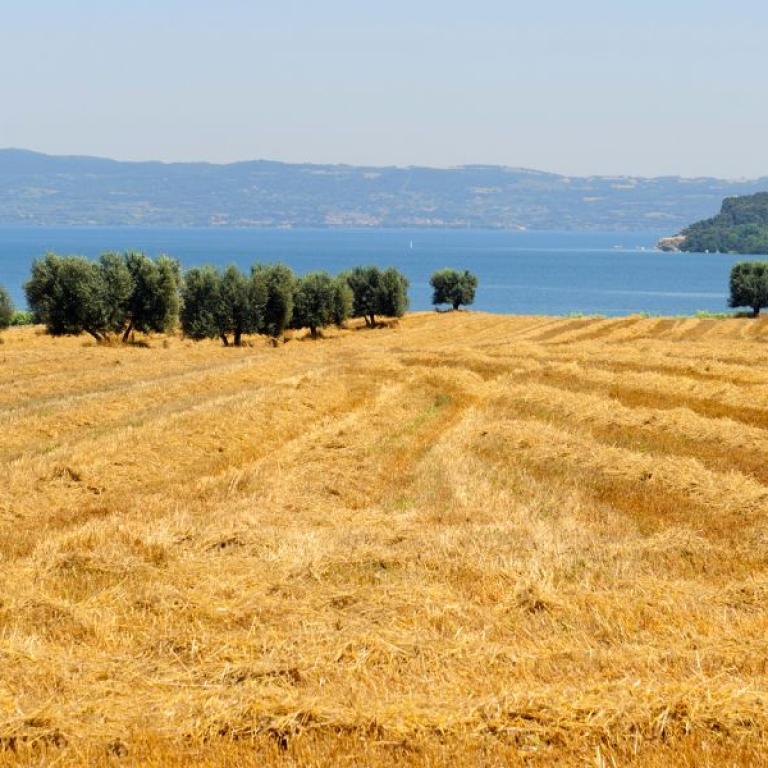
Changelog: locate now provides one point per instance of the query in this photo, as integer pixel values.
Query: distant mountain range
(45, 190)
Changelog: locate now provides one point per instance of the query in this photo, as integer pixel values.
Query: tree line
(122, 293)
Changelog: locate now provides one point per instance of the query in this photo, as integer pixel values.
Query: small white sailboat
(411, 244)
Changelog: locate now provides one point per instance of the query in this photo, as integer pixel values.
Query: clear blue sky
(577, 86)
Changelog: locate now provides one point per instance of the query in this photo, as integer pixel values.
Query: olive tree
(342, 301)
(200, 301)
(313, 302)
(377, 293)
(364, 283)
(6, 309)
(453, 287)
(749, 285)
(393, 293)
(242, 304)
(67, 295)
(154, 302)
(277, 283)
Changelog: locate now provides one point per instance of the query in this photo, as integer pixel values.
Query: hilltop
(464, 539)
(43, 190)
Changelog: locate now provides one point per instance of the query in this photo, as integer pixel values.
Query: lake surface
(520, 272)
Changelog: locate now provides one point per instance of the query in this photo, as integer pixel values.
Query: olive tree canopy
(453, 287)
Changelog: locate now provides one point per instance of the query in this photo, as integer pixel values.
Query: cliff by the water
(672, 243)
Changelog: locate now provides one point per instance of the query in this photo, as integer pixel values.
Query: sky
(581, 87)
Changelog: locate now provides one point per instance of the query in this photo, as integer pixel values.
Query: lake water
(520, 272)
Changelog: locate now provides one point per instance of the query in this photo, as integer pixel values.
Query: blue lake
(520, 272)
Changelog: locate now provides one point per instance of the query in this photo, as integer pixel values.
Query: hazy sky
(577, 86)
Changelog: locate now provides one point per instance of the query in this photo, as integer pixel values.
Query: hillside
(44, 190)
(740, 227)
(467, 539)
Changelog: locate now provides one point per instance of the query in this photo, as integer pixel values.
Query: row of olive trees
(121, 293)
(271, 299)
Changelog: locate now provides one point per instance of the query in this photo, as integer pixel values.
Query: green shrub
(21, 317)
(740, 227)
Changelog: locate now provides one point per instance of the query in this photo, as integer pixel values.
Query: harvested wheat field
(462, 540)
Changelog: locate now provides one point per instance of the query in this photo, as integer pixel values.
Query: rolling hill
(43, 190)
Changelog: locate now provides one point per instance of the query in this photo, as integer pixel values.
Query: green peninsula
(740, 227)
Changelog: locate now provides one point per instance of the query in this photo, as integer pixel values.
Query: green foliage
(217, 305)
(364, 282)
(377, 293)
(313, 302)
(67, 294)
(453, 287)
(269, 301)
(153, 304)
(201, 300)
(740, 227)
(277, 281)
(242, 305)
(749, 285)
(118, 287)
(6, 309)
(393, 293)
(22, 318)
(119, 293)
(342, 301)
(123, 293)
(706, 314)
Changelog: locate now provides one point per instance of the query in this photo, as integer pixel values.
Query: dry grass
(465, 540)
